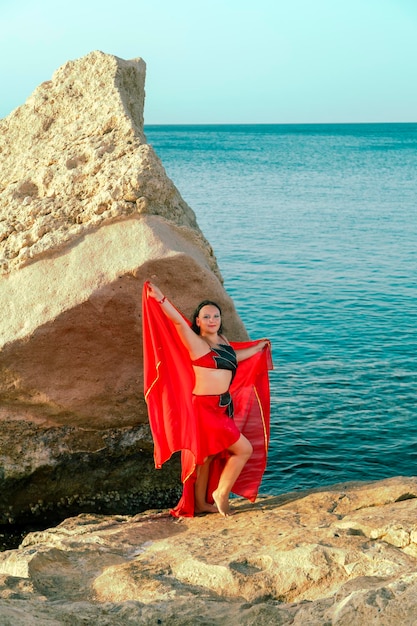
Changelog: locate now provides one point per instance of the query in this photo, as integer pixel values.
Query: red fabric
(168, 384)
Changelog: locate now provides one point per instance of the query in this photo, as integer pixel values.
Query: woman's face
(209, 319)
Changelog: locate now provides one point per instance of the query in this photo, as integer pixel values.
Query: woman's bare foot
(205, 508)
(222, 503)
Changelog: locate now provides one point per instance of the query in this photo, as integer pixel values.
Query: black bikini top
(222, 357)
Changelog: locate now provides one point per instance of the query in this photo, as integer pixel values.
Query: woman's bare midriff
(210, 382)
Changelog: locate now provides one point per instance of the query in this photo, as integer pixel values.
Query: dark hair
(196, 313)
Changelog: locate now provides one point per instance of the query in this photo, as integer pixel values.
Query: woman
(199, 420)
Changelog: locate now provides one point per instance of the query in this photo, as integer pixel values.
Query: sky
(228, 61)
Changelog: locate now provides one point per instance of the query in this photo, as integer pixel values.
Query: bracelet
(162, 301)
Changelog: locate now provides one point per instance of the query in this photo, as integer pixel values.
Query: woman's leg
(200, 489)
(241, 452)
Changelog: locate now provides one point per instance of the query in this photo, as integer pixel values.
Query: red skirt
(217, 431)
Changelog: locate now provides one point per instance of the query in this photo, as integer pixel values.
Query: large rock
(345, 556)
(87, 213)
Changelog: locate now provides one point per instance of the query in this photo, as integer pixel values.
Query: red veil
(168, 384)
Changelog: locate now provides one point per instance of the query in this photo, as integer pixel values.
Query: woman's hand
(154, 291)
(263, 343)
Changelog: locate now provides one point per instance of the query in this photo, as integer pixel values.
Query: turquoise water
(315, 232)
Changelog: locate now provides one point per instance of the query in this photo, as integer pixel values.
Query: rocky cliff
(87, 213)
(342, 556)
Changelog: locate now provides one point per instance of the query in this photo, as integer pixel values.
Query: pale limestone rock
(87, 213)
(275, 562)
(74, 156)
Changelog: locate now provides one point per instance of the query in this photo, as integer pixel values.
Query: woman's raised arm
(187, 335)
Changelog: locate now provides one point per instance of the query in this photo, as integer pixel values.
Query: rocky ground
(340, 556)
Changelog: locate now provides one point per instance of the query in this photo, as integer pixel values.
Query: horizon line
(274, 123)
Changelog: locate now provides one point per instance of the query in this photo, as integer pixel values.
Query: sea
(314, 228)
